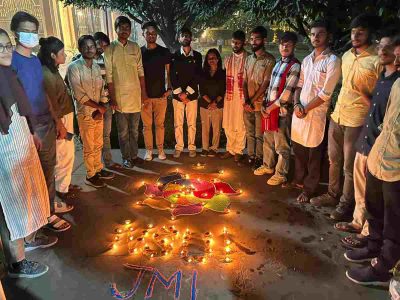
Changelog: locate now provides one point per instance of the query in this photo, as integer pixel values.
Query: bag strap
(282, 83)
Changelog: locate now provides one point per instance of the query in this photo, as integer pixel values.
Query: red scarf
(230, 77)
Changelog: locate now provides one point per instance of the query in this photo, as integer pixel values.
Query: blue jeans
(47, 155)
(107, 121)
(128, 134)
(255, 138)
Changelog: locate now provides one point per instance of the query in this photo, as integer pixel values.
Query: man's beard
(256, 47)
(237, 50)
(185, 44)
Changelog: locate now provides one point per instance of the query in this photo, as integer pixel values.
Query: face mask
(28, 39)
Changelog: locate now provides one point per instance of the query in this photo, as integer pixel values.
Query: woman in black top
(212, 92)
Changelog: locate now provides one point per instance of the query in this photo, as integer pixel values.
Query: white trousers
(235, 141)
(65, 157)
(179, 115)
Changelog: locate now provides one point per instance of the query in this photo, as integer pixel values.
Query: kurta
(23, 193)
(233, 109)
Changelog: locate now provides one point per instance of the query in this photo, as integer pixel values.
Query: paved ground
(281, 250)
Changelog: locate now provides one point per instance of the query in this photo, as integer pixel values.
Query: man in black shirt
(156, 61)
(185, 74)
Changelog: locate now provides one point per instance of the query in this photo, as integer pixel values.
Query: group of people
(269, 106)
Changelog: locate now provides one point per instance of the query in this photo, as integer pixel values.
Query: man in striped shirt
(320, 72)
(278, 99)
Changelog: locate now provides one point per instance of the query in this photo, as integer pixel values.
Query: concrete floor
(281, 250)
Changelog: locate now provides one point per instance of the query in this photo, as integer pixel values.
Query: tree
(170, 15)
(299, 14)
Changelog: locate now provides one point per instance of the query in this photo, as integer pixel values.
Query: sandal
(61, 207)
(347, 227)
(114, 166)
(356, 241)
(57, 224)
(303, 198)
(292, 185)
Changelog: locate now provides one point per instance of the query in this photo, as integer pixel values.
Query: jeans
(277, 142)
(342, 152)
(307, 170)
(210, 118)
(128, 134)
(255, 139)
(47, 156)
(383, 207)
(107, 122)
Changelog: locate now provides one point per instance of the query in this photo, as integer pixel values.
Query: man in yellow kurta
(125, 78)
(360, 71)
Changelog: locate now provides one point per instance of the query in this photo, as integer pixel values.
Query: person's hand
(37, 141)
(264, 112)
(146, 102)
(299, 111)
(102, 109)
(167, 94)
(212, 106)
(144, 97)
(61, 131)
(247, 107)
(97, 115)
(113, 105)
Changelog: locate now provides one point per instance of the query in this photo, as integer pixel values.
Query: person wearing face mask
(24, 204)
(48, 126)
(52, 55)
(277, 112)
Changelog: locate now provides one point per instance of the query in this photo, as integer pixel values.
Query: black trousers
(307, 167)
(383, 207)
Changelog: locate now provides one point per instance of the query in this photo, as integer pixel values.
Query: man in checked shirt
(279, 97)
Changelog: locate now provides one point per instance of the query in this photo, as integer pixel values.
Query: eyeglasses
(6, 48)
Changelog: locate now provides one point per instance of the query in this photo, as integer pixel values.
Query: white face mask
(28, 39)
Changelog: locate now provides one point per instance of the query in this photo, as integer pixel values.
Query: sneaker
(127, 164)
(368, 276)
(212, 153)
(104, 174)
(276, 180)
(360, 255)
(149, 155)
(136, 161)
(41, 241)
(263, 170)
(342, 213)
(251, 160)
(238, 157)
(257, 163)
(95, 181)
(226, 155)
(27, 269)
(192, 153)
(161, 155)
(204, 153)
(177, 153)
(324, 200)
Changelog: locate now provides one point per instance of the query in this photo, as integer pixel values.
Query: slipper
(114, 166)
(292, 185)
(61, 207)
(57, 224)
(354, 241)
(347, 227)
(303, 198)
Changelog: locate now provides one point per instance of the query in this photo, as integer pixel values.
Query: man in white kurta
(233, 122)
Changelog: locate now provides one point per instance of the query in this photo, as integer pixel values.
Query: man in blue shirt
(46, 125)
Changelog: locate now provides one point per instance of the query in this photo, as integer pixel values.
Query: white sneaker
(263, 170)
(149, 155)
(161, 155)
